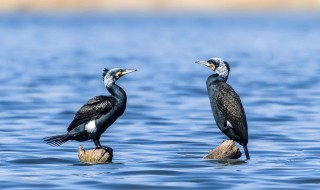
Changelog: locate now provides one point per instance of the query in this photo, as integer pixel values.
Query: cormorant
(98, 113)
(226, 105)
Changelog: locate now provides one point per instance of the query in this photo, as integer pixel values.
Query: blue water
(51, 65)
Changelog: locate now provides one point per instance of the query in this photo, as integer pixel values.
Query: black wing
(93, 109)
(229, 103)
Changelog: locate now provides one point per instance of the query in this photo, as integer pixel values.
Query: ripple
(41, 161)
(168, 125)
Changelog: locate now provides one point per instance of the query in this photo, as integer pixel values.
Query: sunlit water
(51, 65)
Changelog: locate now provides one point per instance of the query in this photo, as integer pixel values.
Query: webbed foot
(108, 149)
(103, 147)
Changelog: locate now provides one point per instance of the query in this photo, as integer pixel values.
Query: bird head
(218, 65)
(112, 75)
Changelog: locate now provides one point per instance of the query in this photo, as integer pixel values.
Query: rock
(95, 156)
(226, 150)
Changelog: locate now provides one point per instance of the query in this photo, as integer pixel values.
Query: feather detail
(93, 110)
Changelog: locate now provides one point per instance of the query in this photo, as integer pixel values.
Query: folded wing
(93, 109)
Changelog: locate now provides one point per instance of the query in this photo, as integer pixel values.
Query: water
(51, 65)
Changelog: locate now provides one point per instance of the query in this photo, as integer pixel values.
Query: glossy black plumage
(93, 109)
(99, 113)
(226, 104)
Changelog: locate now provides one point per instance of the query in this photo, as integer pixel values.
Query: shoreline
(159, 6)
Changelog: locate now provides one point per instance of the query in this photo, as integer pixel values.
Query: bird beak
(206, 63)
(127, 71)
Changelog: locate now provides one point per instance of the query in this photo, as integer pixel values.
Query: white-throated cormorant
(98, 113)
(226, 105)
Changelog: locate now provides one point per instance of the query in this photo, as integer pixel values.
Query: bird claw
(104, 147)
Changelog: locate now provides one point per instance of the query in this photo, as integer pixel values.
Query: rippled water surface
(51, 65)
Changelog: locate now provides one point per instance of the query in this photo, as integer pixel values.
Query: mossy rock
(95, 156)
(226, 150)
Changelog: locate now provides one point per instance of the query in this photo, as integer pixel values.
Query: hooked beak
(206, 63)
(127, 71)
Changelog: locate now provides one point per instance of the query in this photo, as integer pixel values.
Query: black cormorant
(226, 105)
(98, 113)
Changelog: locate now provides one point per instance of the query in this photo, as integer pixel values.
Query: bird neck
(109, 81)
(117, 91)
(216, 77)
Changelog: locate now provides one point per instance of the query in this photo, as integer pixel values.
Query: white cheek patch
(222, 70)
(91, 127)
(108, 81)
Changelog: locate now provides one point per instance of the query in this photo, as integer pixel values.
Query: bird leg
(98, 145)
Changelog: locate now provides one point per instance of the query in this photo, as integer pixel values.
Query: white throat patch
(91, 127)
(108, 81)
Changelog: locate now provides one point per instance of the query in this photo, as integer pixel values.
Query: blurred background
(159, 5)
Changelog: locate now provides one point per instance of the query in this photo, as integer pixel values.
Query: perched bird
(226, 105)
(98, 113)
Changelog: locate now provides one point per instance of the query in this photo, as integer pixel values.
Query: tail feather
(56, 140)
(246, 151)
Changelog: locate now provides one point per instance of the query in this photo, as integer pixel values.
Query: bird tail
(56, 140)
(246, 151)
